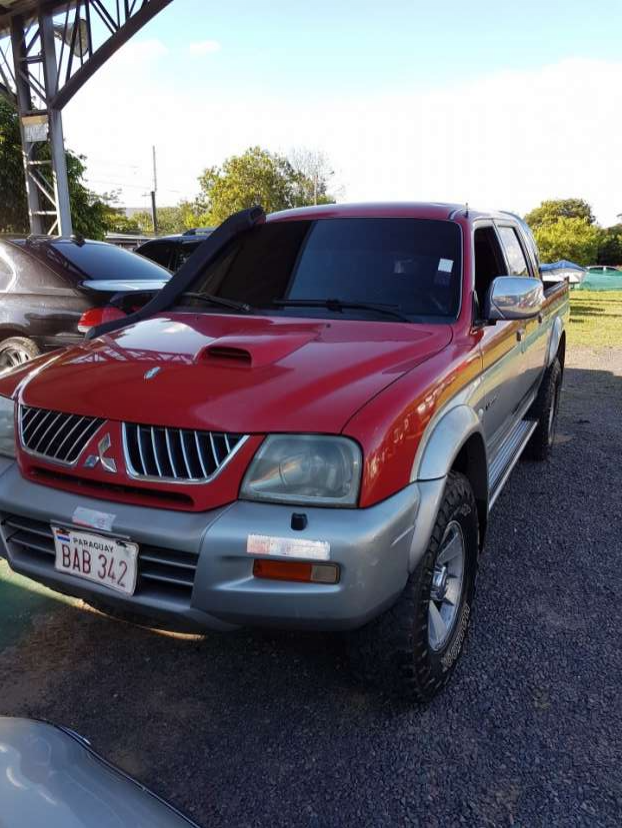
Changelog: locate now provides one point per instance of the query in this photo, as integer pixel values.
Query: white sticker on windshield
(446, 265)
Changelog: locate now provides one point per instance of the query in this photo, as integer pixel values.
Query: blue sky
(393, 43)
(501, 104)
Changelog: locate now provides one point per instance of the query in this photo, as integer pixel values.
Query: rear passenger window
(513, 252)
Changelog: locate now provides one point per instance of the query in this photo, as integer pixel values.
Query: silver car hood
(124, 285)
(50, 776)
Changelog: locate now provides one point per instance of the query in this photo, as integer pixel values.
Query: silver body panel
(376, 549)
(51, 777)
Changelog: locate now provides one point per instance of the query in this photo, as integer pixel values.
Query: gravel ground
(254, 729)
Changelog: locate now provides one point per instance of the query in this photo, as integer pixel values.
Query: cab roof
(389, 209)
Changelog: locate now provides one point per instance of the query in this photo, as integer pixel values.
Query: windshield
(93, 260)
(411, 265)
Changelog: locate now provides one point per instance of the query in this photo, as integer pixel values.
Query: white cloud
(138, 53)
(507, 140)
(204, 47)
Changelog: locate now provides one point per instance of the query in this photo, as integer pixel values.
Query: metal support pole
(55, 121)
(24, 107)
(43, 78)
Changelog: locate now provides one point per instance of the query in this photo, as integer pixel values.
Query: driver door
(503, 360)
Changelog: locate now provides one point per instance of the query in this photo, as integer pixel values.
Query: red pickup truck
(306, 428)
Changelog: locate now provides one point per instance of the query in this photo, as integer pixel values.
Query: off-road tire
(546, 405)
(17, 350)
(393, 652)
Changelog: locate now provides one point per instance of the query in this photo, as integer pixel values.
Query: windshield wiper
(218, 300)
(338, 305)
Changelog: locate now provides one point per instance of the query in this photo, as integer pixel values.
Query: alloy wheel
(447, 586)
(12, 357)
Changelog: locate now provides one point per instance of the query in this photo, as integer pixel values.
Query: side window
(35, 276)
(158, 253)
(488, 261)
(22, 272)
(184, 253)
(513, 252)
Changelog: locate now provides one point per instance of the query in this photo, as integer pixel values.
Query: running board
(507, 457)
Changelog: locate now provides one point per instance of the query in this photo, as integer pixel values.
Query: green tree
(610, 251)
(13, 212)
(89, 211)
(170, 219)
(575, 239)
(118, 222)
(550, 211)
(142, 219)
(256, 177)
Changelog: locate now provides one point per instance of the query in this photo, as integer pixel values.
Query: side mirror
(513, 297)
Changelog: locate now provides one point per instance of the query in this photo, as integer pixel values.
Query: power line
(129, 186)
(118, 184)
(113, 162)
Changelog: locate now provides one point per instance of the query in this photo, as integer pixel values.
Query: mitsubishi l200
(306, 428)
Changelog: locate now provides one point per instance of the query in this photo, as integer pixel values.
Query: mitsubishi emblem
(108, 464)
(150, 374)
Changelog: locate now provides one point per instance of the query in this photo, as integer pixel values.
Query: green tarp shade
(601, 281)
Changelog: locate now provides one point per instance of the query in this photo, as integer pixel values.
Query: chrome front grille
(166, 574)
(176, 454)
(54, 435)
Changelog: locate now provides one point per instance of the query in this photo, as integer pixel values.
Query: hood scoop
(254, 350)
(240, 356)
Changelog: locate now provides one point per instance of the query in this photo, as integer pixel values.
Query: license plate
(110, 562)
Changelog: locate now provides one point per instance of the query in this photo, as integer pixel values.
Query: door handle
(540, 318)
(520, 334)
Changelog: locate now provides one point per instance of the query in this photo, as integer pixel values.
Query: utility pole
(154, 214)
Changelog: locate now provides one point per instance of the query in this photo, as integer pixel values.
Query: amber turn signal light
(296, 571)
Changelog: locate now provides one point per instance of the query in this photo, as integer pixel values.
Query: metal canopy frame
(48, 50)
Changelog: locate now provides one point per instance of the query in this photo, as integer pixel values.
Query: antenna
(466, 209)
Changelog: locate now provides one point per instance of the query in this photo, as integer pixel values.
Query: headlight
(7, 427)
(322, 471)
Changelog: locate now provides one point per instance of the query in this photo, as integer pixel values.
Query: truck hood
(240, 374)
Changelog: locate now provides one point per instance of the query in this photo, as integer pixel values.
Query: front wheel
(412, 649)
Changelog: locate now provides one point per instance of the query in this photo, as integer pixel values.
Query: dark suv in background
(172, 251)
(52, 290)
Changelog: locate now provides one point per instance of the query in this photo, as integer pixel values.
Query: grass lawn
(20, 600)
(595, 318)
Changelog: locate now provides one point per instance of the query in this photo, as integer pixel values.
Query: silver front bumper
(196, 572)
